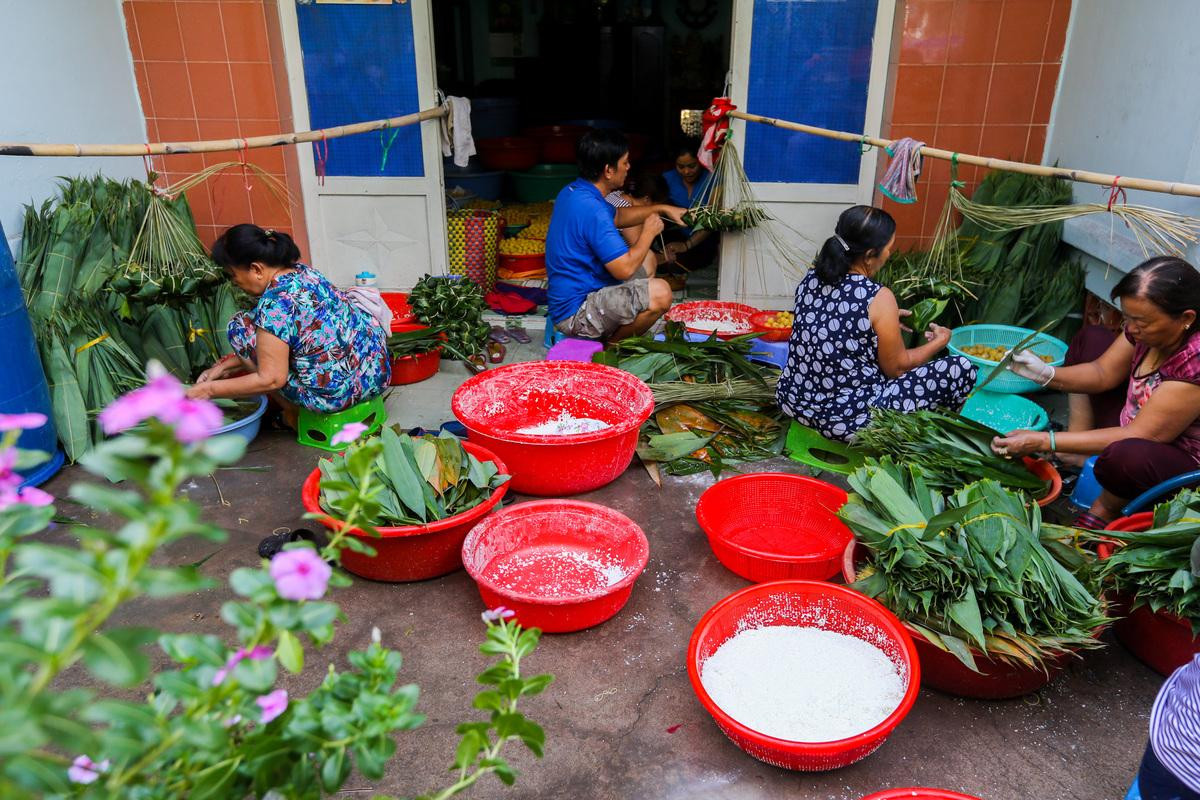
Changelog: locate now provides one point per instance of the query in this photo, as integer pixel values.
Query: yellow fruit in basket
(780, 319)
(996, 354)
(522, 247)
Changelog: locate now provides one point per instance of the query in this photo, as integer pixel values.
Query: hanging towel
(900, 181)
(456, 131)
(368, 300)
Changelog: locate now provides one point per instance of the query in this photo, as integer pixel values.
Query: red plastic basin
(402, 312)
(495, 404)
(410, 552)
(736, 313)
(772, 526)
(770, 333)
(556, 143)
(522, 264)
(417, 367)
(997, 680)
(1160, 640)
(918, 793)
(810, 604)
(561, 565)
(1047, 472)
(508, 152)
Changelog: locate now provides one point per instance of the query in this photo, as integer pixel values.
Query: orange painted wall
(215, 70)
(977, 76)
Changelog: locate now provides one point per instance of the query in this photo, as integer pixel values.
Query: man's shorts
(605, 310)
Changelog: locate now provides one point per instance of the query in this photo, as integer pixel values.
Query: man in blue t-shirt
(601, 287)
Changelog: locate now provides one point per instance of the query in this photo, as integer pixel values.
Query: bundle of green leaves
(711, 360)
(455, 305)
(412, 480)
(414, 343)
(1160, 567)
(949, 449)
(977, 569)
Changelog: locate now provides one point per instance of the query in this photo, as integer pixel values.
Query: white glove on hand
(1030, 366)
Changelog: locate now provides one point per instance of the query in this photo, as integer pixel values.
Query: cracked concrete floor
(621, 719)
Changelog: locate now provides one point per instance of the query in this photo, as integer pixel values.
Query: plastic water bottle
(365, 279)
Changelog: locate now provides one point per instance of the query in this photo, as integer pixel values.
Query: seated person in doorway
(1158, 435)
(846, 354)
(642, 189)
(690, 248)
(306, 343)
(600, 287)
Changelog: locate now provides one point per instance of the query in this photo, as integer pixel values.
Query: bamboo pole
(1078, 175)
(218, 145)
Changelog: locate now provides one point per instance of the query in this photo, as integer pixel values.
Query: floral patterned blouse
(1183, 365)
(338, 354)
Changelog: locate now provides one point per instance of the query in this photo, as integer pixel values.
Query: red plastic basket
(772, 526)
(495, 404)
(1160, 640)
(918, 793)
(520, 559)
(556, 143)
(811, 604)
(508, 152)
(410, 552)
(770, 333)
(997, 680)
(713, 309)
(522, 264)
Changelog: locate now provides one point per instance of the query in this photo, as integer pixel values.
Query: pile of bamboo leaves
(94, 341)
(975, 572)
(949, 449)
(713, 406)
(1160, 567)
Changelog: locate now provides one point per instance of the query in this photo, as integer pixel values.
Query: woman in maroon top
(1159, 432)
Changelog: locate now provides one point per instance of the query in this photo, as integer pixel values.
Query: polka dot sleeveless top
(832, 371)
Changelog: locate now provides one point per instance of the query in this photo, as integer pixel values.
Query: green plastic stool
(317, 430)
(809, 447)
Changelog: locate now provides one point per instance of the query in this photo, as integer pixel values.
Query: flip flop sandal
(519, 334)
(498, 335)
(273, 545)
(476, 363)
(496, 352)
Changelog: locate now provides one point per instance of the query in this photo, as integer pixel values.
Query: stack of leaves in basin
(949, 449)
(417, 480)
(415, 343)
(713, 405)
(1160, 567)
(976, 569)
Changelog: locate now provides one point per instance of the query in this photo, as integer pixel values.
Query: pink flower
(300, 574)
(255, 654)
(10, 493)
(496, 614)
(9, 480)
(162, 398)
(21, 422)
(159, 395)
(272, 704)
(194, 420)
(84, 770)
(349, 432)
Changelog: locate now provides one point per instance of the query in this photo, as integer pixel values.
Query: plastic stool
(553, 335)
(774, 353)
(809, 447)
(574, 350)
(1087, 488)
(317, 430)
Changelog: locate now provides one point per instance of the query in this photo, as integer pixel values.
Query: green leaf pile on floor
(418, 479)
(1160, 567)
(978, 569)
(950, 449)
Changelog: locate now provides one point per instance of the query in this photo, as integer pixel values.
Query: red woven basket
(1160, 640)
(772, 526)
(410, 552)
(810, 604)
(543, 591)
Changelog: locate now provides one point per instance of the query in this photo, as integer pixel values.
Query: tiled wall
(977, 76)
(215, 70)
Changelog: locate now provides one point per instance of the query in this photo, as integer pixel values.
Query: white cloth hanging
(456, 131)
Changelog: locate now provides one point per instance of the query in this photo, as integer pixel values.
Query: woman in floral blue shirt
(304, 341)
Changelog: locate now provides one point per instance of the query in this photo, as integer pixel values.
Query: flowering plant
(215, 724)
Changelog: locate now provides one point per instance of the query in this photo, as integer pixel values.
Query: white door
(378, 208)
(823, 63)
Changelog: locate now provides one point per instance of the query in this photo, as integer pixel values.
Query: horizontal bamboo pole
(1078, 175)
(218, 145)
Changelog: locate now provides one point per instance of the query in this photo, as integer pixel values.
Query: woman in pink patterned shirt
(1159, 434)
